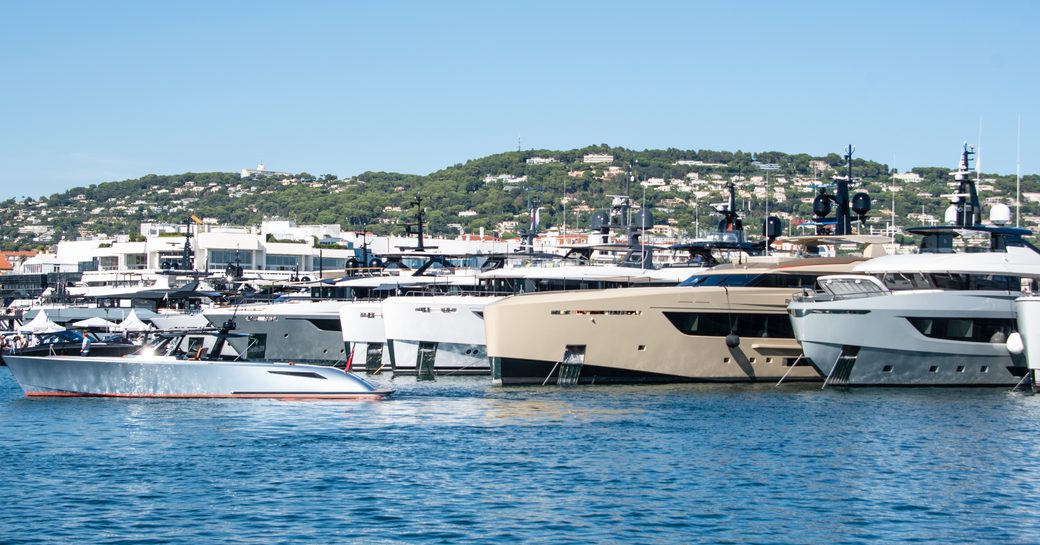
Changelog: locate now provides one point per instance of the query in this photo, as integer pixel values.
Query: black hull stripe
(523, 372)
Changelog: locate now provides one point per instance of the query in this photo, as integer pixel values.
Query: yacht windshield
(721, 280)
(761, 280)
(950, 281)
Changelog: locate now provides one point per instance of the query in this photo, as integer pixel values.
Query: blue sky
(104, 91)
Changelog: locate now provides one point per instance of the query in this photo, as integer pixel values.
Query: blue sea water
(459, 461)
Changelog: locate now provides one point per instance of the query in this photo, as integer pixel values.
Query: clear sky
(103, 91)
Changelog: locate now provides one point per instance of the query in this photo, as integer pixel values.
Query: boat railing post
(793, 365)
(831, 373)
(1024, 378)
(547, 377)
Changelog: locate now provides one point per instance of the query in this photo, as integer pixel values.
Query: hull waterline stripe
(273, 395)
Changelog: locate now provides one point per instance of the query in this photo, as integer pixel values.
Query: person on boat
(85, 347)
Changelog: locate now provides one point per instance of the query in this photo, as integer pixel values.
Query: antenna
(978, 155)
(642, 235)
(1018, 175)
(892, 224)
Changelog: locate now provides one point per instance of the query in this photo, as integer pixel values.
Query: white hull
(1027, 311)
(361, 323)
(162, 376)
(882, 347)
(446, 333)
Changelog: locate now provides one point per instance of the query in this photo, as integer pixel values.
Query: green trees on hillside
(370, 200)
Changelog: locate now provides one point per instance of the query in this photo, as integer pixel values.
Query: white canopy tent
(133, 323)
(40, 324)
(96, 322)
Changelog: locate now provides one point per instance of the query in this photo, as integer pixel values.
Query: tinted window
(720, 324)
(979, 330)
(720, 280)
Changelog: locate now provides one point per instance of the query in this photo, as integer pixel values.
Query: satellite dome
(1000, 214)
(644, 220)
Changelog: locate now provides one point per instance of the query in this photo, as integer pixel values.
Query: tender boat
(164, 370)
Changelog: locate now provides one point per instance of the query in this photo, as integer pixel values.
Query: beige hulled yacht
(729, 324)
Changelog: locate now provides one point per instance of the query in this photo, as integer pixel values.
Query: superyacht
(727, 324)
(936, 318)
(446, 334)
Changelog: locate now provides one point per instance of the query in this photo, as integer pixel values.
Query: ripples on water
(458, 461)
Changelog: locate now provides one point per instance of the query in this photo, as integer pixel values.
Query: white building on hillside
(592, 158)
(261, 172)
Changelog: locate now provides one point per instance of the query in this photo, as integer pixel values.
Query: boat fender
(732, 340)
(1015, 344)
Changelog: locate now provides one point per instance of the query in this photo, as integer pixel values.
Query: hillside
(484, 193)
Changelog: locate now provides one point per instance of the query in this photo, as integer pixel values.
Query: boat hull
(171, 378)
(444, 334)
(364, 337)
(629, 336)
(878, 345)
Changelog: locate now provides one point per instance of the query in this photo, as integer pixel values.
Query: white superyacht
(936, 318)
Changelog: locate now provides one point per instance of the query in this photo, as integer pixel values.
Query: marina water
(459, 461)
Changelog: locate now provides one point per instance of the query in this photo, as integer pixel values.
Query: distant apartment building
(541, 160)
(820, 166)
(508, 225)
(908, 177)
(594, 158)
(9, 261)
(507, 179)
(261, 172)
(696, 163)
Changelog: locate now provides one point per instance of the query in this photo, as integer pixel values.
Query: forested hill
(488, 192)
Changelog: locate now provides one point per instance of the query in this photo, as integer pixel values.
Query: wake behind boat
(165, 371)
